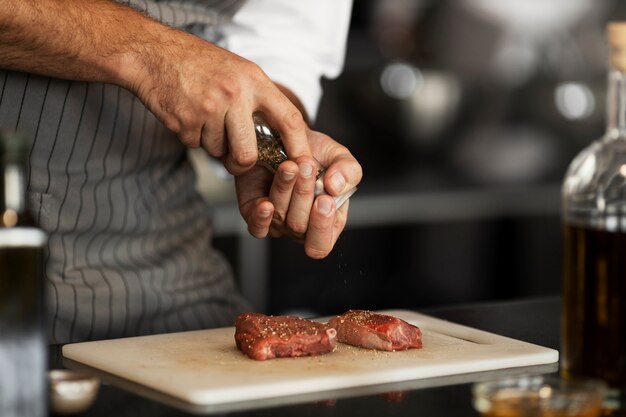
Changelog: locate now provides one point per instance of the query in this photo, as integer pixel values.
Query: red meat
(371, 330)
(264, 337)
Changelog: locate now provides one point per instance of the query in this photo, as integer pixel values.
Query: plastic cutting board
(205, 368)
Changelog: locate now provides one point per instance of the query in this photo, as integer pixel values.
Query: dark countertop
(532, 320)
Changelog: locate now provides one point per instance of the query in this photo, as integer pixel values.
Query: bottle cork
(616, 33)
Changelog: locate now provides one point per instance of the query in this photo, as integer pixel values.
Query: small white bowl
(71, 392)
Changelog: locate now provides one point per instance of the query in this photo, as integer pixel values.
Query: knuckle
(172, 124)
(231, 91)
(319, 229)
(230, 167)
(186, 119)
(298, 229)
(282, 186)
(294, 120)
(215, 147)
(210, 107)
(189, 140)
(254, 71)
(287, 172)
(217, 153)
(278, 217)
(306, 159)
(302, 191)
(245, 157)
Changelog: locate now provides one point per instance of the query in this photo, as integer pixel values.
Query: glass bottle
(272, 153)
(593, 331)
(23, 354)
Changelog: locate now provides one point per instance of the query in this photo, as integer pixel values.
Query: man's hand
(284, 204)
(203, 93)
(207, 96)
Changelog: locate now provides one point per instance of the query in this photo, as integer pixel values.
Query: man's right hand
(207, 95)
(203, 93)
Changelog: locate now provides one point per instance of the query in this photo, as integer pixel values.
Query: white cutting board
(205, 368)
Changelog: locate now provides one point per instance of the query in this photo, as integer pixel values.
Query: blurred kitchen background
(464, 115)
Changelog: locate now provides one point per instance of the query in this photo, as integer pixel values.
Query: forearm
(201, 92)
(88, 40)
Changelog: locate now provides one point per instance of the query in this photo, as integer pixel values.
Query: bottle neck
(616, 103)
(14, 208)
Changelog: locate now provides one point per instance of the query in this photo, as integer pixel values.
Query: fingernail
(306, 170)
(338, 181)
(265, 214)
(324, 205)
(288, 176)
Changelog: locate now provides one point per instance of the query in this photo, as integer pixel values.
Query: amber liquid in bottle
(594, 303)
(593, 330)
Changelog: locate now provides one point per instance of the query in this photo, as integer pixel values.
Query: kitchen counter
(532, 320)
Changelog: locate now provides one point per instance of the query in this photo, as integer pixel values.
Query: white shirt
(296, 43)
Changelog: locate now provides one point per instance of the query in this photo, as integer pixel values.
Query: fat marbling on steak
(371, 330)
(264, 337)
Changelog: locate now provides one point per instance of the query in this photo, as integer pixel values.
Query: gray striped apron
(129, 249)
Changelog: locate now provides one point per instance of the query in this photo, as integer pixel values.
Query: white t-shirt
(296, 43)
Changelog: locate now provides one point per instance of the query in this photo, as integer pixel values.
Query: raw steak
(371, 330)
(264, 337)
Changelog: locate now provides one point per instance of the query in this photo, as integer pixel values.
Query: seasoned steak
(371, 330)
(264, 337)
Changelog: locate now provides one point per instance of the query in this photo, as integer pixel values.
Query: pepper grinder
(272, 153)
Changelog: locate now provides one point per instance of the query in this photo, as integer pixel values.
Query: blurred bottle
(593, 340)
(23, 365)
